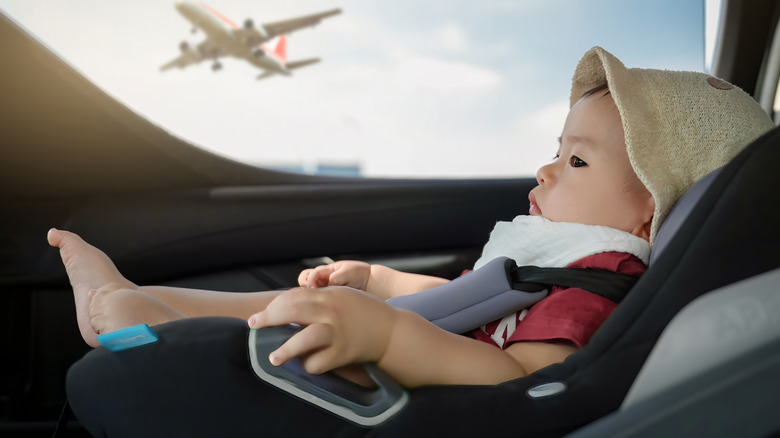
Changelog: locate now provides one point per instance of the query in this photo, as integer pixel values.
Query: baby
(633, 142)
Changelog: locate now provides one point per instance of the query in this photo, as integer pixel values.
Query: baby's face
(591, 180)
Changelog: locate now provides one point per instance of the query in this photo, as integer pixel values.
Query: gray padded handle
(472, 300)
(360, 405)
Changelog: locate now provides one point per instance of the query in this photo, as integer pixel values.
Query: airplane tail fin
(281, 48)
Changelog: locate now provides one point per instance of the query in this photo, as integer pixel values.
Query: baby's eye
(576, 161)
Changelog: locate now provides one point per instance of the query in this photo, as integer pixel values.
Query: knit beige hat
(679, 126)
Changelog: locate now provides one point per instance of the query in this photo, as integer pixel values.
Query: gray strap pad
(472, 300)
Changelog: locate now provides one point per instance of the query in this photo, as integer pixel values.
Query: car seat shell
(728, 235)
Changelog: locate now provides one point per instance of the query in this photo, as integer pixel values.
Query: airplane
(263, 46)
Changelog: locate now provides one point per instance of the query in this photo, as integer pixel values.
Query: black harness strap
(608, 284)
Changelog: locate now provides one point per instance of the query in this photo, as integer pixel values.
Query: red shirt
(566, 315)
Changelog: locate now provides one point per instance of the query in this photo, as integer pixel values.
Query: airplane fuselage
(220, 30)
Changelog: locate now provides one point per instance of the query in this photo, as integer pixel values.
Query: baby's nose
(544, 174)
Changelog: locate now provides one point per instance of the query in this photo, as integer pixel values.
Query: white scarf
(536, 241)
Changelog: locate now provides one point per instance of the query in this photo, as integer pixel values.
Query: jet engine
(259, 34)
(184, 46)
(257, 52)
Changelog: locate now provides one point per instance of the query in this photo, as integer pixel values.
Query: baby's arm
(378, 280)
(346, 326)
(421, 354)
(387, 282)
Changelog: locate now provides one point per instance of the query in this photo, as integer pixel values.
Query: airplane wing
(189, 56)
(289, 26)
(265, 74)
(253, 36)
(302, 63)
(290, 66)
(183, 60)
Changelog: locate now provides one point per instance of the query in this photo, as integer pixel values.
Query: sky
(441, 88)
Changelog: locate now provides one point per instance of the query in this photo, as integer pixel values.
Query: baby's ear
(643, 230)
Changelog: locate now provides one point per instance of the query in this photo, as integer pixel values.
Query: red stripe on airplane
(219, 15)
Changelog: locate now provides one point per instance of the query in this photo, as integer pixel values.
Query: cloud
(536, 133)
(449, 90)
(451, 38)
(415, 73)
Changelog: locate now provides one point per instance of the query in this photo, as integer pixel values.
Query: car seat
(196, 380)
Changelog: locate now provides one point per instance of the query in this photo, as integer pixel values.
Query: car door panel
(227, 238)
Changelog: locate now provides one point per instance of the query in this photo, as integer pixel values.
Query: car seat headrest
(679, 213)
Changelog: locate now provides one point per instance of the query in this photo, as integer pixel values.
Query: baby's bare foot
(112, 308)
(88, 269)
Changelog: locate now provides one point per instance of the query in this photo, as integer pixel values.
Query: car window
(403, 89)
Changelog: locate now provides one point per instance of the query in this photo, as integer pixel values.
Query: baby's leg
(88, 269)
(198, 302)
(112, 308)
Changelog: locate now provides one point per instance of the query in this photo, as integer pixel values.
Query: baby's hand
(343, 273)
(343, 326)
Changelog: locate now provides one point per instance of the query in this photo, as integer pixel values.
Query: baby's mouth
(534, 209)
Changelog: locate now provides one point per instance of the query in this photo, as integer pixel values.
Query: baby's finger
(338, 277)
(320, 277)
(295, 306)
(325, 359)
(308, 340)
(303, 278)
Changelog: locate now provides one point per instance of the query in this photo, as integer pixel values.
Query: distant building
(320, 169)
